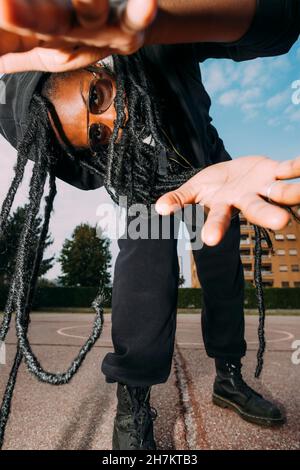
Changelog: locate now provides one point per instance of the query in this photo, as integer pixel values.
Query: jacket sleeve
(273, 31)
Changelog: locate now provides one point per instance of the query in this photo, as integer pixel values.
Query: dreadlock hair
(39, 142)
(129, 167)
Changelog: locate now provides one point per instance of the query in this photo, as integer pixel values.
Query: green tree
(9, 243)
(85, 258)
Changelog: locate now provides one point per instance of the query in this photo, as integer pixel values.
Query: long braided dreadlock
(39, 141)
(128, 167)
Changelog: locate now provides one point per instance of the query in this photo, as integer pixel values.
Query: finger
(109, 36)
(284, 193)
(175, 200)
(51, 60)
(11, 42)
(259, 212)
(91, 14)
(40, 16)
(138, 15)
(217, 224)
(288, 169)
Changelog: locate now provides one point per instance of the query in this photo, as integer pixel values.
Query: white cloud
(289, 128)
(281, 64)
(295, 115)
(249, 95)
(214, 78)
(251, 73)
(278, 100)
(292, 113)
(289, 109)
(274, 122)
(242, 98)
(229, 98)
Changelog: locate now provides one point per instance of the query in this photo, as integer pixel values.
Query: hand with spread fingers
(58, 35)
(254, 185)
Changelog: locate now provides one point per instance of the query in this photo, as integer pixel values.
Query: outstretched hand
(60, 35)
(241, 183)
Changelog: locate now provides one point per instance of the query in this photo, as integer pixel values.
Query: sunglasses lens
(101, 96)
(98, 135)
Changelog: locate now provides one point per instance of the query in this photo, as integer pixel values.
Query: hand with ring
(246, 184)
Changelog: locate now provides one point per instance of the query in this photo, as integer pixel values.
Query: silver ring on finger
(268, 193)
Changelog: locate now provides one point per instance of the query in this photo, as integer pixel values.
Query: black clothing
(146, 272)
(133, 423)
(144, 305)
(274, 30)
(231, 391)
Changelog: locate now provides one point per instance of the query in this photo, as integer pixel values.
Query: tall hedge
(82, 297)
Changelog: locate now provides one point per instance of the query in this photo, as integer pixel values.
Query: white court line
(287, 336)
(61, 331)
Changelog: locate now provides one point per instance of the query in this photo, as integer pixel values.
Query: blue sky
(252, 104)
(252, 109)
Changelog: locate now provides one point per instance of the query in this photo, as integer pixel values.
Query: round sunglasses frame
(92, 129)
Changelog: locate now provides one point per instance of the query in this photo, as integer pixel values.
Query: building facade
(279, 270)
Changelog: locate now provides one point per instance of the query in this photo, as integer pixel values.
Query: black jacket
(275, 28)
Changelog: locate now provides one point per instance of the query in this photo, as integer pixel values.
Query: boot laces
(235, 373)
(143, 415)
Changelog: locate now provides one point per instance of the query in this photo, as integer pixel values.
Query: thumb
(138, 15)
(91, 14)
(175, 200)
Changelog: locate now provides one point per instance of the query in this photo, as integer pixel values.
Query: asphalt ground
(80, 415)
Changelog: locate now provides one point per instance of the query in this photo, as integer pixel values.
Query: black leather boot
(133, 424)
(231, 391)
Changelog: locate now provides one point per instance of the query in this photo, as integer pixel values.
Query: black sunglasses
(101, 96)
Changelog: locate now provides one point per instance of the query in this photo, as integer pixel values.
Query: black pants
(144, 303)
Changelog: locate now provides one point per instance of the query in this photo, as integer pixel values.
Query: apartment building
(279, 270)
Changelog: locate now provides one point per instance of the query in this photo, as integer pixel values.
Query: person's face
(77, 101)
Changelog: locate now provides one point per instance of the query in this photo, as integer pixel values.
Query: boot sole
(224, 403)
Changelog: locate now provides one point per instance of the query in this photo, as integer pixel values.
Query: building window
(296, 284)
(245, 252)
(247, 267)
(293, 252)
(279, 237)
(291, 236)
(280, 252)
(267, 268)
(295, 268)
(283, 268)
(268, 283)
(285, 284)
